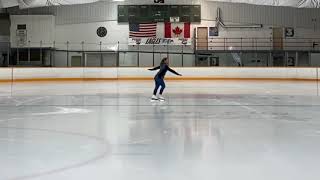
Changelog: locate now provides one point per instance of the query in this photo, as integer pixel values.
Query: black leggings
(159, 82)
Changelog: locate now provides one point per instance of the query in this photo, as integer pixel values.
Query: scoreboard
(158, 13)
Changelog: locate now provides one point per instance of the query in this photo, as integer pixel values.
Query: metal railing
(257, 43)
(204, 52)
(44, 53)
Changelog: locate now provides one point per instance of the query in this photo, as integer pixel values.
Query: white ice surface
(223, 130)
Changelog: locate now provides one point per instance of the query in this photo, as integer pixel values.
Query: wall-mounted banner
(160, 41)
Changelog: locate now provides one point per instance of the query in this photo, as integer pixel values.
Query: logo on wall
(102, 32)
(184, 41)
(138, 41)
(291, 61)
(289, 32)
(177, 31)
(158, 1)
(213, 31)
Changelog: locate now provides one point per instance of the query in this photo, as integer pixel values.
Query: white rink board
(135, 73)
(100, 73)
(47, 73)
(307, 73)
(5, 74)
(143, 73)
(249, 73)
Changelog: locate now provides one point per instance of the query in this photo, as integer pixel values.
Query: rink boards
(128, 73)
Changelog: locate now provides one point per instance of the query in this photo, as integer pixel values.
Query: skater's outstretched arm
(155, 68)
(173, 71)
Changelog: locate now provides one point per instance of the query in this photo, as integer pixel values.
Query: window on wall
(144, 11)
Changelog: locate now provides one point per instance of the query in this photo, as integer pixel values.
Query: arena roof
(42, 3)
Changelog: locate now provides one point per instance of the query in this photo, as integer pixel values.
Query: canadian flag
(177, 30)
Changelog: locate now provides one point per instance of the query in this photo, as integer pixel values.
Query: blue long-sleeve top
(163, 70)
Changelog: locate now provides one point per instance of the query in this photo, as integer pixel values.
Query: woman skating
(159, 79)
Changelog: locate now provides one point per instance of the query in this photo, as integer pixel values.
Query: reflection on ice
(62, 110)
(210, 130)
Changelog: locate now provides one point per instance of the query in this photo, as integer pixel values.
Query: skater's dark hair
(163, 60)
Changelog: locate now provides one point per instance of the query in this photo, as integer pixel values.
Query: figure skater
(159, 79)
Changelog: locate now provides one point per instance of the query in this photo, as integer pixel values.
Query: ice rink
(206, 130)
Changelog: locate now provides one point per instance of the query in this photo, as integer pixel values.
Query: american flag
(142, 30)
